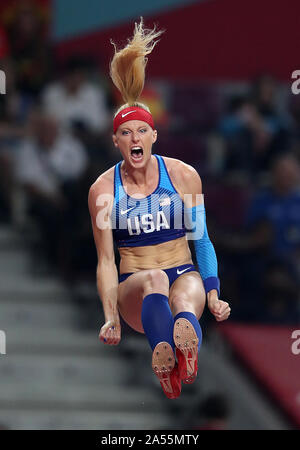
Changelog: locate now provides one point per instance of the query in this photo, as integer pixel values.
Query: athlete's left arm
(195, 220)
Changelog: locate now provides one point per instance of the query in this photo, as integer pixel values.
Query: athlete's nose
(134, 137)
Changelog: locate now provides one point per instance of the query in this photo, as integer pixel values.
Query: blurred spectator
(273, 232)
(263, 92)
(279, 206)
(30, 50)
(244, 135)
(252, 133)
(266, 94)
(50, 166)
(75, 101)
(12, 130)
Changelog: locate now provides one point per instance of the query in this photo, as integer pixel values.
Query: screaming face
(134, 139)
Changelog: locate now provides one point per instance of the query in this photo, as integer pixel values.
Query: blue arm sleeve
(195, 222)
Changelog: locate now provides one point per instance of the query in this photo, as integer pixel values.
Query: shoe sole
(163, 362)
(186, 341)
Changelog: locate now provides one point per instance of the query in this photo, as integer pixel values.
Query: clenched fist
(110, 333)
(219, 309)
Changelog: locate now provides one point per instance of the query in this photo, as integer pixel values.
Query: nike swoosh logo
(129, 112)
(179, 272)
(126, 210)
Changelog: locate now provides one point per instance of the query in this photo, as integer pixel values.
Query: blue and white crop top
(151, 220)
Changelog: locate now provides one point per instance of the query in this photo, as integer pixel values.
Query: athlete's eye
(143, 130)
(125, 132)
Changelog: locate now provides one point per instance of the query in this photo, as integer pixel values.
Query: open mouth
(137, 153)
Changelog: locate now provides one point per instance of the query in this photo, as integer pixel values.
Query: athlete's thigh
(131, 293)
(187, 293)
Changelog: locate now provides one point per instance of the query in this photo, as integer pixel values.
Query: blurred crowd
(244, 140)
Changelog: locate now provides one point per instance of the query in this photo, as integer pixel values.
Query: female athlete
(150, 205)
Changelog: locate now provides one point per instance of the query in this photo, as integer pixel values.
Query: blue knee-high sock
(194, 321)
(157, 320)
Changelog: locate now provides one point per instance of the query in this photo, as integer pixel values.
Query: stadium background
(219, 86)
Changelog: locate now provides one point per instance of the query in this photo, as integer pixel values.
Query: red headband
(132, 113)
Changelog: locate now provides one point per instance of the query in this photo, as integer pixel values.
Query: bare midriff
(161, 256)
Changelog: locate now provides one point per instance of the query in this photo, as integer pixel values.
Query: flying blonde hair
(127, 68)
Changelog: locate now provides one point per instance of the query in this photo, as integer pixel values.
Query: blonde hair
(127, 68)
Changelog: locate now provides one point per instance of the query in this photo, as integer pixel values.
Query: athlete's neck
(140, 177)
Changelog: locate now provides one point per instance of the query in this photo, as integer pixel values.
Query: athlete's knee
(156, 281)
(180, 301)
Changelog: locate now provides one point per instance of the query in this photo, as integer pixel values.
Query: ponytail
(127, 68)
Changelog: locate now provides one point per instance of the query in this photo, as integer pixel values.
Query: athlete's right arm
(100, 204)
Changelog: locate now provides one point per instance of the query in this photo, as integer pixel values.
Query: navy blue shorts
(173, 273)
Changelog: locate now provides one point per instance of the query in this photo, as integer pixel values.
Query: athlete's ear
(115, 141)
(154, 138)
